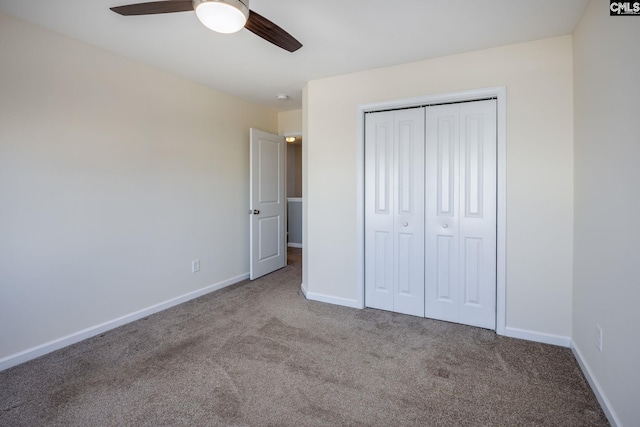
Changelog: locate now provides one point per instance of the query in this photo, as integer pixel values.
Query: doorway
(294, 189)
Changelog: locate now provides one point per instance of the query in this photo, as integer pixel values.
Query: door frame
(498, 92)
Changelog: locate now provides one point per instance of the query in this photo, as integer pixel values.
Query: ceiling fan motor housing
(225, 16)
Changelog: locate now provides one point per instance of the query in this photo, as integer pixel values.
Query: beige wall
(538, 79)
(289, 121)
(607, 202)
(113, 177)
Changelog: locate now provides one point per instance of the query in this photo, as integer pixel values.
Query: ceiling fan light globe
(222, 16)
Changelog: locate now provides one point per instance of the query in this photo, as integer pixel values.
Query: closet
(430, 212)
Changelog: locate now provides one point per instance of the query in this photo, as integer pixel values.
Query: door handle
(256, 212)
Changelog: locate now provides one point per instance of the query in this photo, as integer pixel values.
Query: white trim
(294, 199)
(303, 288)
(294, 245)
(465, 95)
(499, 92)
(40, 350)
(360, 207)
(541, 337)
(501, 212)
(595, 386)
(296, 134)
(346, 302)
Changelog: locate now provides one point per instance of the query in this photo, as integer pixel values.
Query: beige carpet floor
(259, 354)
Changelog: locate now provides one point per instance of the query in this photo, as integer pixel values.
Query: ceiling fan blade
(261, 26)
(154, 7)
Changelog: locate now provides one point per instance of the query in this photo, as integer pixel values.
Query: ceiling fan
(223, 16)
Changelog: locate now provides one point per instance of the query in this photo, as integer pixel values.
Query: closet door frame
(500, 94)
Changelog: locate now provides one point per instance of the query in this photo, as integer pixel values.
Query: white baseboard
(40, 350)
(595, 386)
(294, 245)
(523, 334)
(303, 288)
(331, 300)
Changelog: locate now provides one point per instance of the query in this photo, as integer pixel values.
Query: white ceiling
(338, 36)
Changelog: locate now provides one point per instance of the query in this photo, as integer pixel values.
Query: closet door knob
(445, 226)
(405, 224)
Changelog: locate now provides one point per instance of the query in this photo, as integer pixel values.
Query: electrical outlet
(599, 337)
(195, 265)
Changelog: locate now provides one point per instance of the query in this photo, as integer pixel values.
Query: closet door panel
(460, 253)
(409, 211)
(394, 211)
(379, 215)
(442, 184)
(478, 208)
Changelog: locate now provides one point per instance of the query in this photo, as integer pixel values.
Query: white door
(461, 213)
(394, 211)
(267, 203)
(430, 212)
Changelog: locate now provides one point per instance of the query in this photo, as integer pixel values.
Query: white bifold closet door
(460, 257)
(394, 206)
(430, 212)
